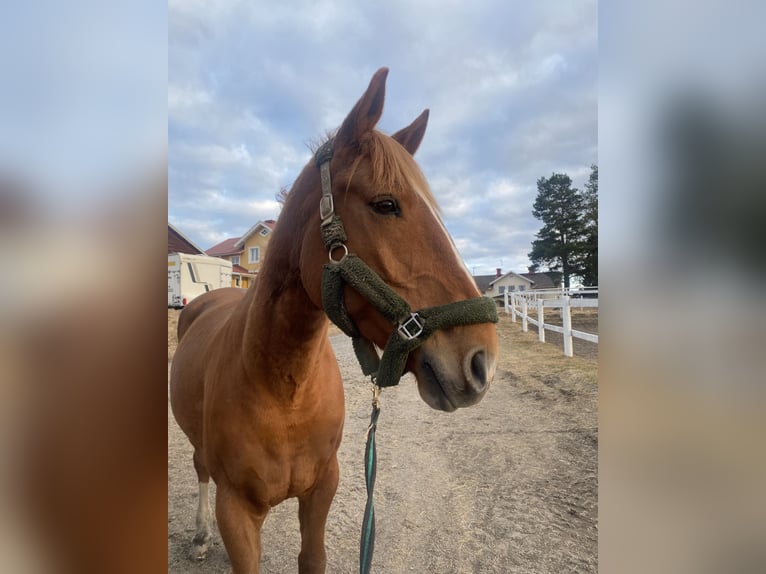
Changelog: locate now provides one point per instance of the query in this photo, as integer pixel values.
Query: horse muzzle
(448, 379)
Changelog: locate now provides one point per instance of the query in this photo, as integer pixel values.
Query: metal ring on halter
(338, 246)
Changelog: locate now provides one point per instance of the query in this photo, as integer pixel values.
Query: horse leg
(312, 511)
(203, 534)
(239, 522)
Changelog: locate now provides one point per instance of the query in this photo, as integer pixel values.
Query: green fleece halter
(412, 329)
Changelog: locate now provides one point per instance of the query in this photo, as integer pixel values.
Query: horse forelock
(392, 167)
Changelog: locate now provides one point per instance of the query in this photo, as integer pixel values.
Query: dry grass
(528, 352)
(585, 320)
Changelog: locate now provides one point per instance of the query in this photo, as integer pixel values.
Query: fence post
(505, 300)
(540, 321)
(566, 319)
(513, 308)
(524, 314)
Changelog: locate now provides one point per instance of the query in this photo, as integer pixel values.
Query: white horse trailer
(192, 275)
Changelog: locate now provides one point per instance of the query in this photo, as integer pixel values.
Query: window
(236, 280)
(264, 232)
(235, 259)
(501, 290)
(255, 255)
(512, 288)
(522, 287)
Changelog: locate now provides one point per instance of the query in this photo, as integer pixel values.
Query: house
(245, 253)
(179, 243)
(510, 282)
(496, 285)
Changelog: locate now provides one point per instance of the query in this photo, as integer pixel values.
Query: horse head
(392, 224)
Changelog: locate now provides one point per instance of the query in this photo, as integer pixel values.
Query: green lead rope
(367, 542)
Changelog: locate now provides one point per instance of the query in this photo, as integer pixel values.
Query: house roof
(511, 273)
(548, 280)
(483, 281)
(179, 243)
(268, 225)
(241, 270)
(225, 247)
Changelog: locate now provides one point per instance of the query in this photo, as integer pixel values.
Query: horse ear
(411, 136)
(366, 113)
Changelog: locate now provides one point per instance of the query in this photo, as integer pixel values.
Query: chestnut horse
(254, 382)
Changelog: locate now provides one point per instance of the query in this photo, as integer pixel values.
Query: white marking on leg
(203, 508)
(202, 536)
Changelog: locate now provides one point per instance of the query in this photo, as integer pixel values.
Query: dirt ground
(509, 485)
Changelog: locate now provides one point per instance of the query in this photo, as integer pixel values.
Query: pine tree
(590, 216)
(559, 243)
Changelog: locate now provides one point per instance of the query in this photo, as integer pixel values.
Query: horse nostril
(478, 370)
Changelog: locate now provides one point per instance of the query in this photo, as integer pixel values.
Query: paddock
(508, 485)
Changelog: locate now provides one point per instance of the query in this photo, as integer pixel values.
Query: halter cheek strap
(411, 328)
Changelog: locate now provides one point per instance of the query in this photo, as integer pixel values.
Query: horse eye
(386, 207)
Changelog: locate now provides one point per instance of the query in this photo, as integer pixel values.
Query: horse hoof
(199, 552)
(199, 546)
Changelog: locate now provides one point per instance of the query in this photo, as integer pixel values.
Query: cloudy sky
(512, 89)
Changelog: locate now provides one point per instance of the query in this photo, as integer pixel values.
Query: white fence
(521, 305)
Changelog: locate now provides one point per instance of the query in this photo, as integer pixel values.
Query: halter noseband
(412, 328)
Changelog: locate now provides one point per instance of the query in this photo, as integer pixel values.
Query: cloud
(183, 99)
(511, 87)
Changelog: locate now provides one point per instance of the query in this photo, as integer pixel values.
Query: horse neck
(284, 333)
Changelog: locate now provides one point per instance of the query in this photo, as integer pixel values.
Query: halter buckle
(326, 209)
(411, 328)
